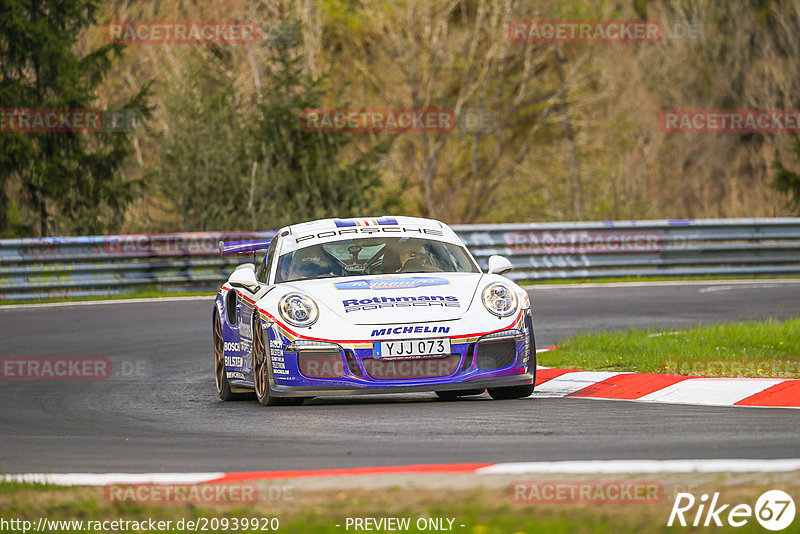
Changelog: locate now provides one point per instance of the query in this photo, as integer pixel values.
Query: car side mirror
(499, 265)
(244, 276)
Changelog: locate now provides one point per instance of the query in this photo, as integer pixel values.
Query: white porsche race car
(365, 306)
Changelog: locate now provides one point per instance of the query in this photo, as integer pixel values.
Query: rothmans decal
(393, 283)
(398, 302)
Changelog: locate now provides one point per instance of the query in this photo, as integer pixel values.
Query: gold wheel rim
(219, 355)
(259, 363)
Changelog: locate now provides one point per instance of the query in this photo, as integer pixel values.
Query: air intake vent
(321, 364)
(410, 369)
(470, 356)
(351, 363)
(496, 354)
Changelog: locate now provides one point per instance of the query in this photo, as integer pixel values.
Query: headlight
(298, 310)
(500, 300)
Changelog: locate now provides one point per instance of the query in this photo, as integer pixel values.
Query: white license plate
(412, 348)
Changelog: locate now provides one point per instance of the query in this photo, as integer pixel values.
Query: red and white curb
(508, 468)
(672, 389)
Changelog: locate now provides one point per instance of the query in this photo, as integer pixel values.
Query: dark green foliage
(226, 169)
(788, 182)
(67, 182)
(305, 174)
(202, 165)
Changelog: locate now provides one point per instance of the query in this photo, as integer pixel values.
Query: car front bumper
(524, 379)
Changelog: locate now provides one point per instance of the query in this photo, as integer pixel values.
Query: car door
(247, 310)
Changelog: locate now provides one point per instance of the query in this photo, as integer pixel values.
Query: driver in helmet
(412, 257)
(312, 262)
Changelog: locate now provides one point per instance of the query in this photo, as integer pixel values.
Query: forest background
(546, 131)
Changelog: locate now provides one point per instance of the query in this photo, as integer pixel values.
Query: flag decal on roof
(381, 221)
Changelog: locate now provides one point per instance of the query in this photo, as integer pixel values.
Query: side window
(261, 269)
(266, 266)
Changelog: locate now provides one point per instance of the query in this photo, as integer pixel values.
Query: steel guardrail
(41, 268)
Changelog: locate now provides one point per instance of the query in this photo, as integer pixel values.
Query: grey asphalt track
(159, 412)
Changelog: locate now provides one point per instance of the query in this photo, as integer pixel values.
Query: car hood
(391, 299)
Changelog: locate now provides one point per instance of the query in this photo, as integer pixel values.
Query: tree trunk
(569, 136)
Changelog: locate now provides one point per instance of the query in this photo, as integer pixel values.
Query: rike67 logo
(774, 510)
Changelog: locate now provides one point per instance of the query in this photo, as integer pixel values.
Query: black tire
(452, 395)
(261, 373)
(511, 392)
(224, 390)
(519, 392)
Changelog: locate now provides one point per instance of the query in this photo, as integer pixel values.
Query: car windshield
(373, 255)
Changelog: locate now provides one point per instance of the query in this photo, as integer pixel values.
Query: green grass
(480, 510)
(753, 349)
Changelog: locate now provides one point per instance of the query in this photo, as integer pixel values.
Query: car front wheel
(261, 373)
(519, 392)
(224, 390)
